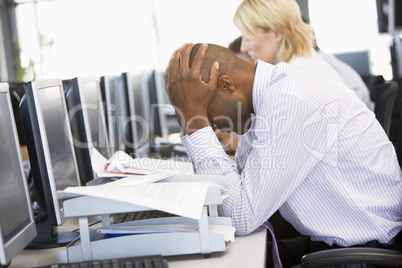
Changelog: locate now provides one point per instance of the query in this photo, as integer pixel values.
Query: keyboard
(138, 215)
(155, 261)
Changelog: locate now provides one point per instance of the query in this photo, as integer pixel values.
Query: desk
(246, 251)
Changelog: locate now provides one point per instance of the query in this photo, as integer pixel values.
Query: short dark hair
(235, 45)
(224, 56)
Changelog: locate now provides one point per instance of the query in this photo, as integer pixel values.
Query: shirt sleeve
(282, 148)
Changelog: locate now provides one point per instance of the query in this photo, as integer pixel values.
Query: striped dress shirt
(315, 152)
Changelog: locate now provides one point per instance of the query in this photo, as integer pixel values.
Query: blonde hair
(281, 16)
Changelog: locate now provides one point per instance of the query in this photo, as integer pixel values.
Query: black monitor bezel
(142, 80)
(78, 119)
(112, 111)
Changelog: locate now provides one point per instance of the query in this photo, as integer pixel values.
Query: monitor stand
(48, 235)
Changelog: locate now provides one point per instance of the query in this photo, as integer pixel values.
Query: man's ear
(226, 83)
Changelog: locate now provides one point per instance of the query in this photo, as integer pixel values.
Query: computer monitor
(156, 126)
(51, 155)
(389, 16)
(139, 107)
(125, 130)
(396, 56)
(163, 116)
(168, 144)
(17, 226)
(88, 126)
(113, 111)
(167, 111)
(360, 60)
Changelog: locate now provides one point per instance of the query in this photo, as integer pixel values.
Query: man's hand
(189, 95)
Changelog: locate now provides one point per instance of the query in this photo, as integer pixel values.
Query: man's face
(230, 112)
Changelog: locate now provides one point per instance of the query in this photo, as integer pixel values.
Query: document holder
(91, 245)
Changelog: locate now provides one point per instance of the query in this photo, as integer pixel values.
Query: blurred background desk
(246, 251)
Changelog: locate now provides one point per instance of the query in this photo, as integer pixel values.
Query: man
(310, 148)
(230, 141)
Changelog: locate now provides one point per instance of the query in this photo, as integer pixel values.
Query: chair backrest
(399, 142)
(385, 95)
(372, 82)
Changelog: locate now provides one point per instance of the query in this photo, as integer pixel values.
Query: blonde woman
(273, 31)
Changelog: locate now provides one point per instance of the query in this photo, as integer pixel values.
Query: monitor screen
(360, 61)
(61, 154)
(14, 212)
(50, 144)
(167, 111)
(17, 227)
(110, 92)
(160, 85)
(91, 99)
(124, 125)
(389, 16)
(139, 112)
(156, 120)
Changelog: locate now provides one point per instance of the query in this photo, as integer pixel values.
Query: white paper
(227, 231)
(128, 181)
(133, 180)
(121, 164)
(98, 161)
(180, 198)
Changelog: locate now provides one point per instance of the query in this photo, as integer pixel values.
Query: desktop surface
(246, 251)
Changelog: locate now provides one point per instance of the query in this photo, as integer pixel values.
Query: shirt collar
(263, 74)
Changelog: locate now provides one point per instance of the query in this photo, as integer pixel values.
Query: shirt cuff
(203, 145)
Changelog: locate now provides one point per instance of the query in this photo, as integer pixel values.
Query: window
(351, 25)
(70, 38)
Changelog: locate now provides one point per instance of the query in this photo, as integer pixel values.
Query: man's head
(224, 56)
(231, 107)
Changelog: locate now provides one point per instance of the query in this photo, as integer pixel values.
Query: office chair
(354, 255)
(372, 81)
(399, 142)
(384, 99)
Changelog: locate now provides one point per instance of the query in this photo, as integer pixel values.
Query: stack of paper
(227, 230)
(138, 185)
(181, 198)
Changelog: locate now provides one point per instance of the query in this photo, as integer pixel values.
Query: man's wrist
(195, 123)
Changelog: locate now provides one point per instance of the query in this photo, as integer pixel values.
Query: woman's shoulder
(317, 63)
